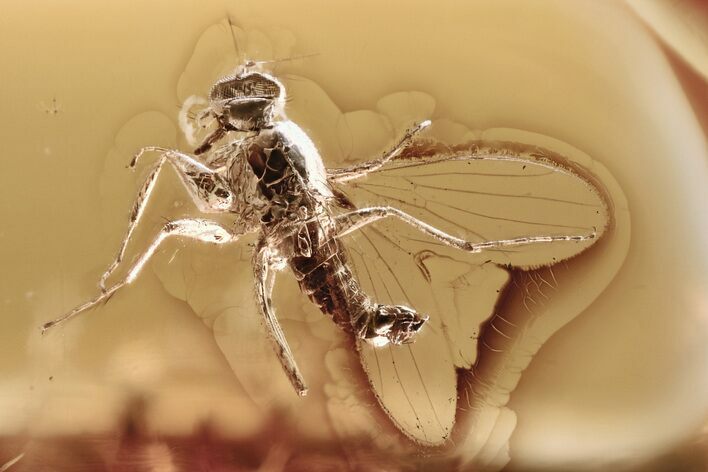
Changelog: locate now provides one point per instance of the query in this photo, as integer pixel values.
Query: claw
(46, 326)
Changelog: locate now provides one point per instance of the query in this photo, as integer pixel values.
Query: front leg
(203, 230)
(344, 174)
(263, 266)
(206, 188)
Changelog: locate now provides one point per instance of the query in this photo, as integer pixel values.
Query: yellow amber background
(625, 381)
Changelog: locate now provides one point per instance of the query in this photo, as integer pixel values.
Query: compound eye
(253, 85)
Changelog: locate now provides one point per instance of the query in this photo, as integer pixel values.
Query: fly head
(247, 101)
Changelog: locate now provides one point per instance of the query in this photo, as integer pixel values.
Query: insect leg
(344, 174)
(354, 220)
(265, 279)
(173, 155)
(203, 230)
(219, 133)
(200, 181)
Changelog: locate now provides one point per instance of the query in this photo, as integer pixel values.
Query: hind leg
(349, 222)
(203, 230)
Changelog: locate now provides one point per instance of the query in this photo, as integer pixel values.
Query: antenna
(248, 63)
(286, 59)
(237, 49)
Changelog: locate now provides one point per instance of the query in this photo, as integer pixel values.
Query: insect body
(275, 181)
(265, 170)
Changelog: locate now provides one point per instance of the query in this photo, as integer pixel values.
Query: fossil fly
(265, 170)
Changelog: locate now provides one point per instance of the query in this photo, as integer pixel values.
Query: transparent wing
(494, 191)
(478, 192)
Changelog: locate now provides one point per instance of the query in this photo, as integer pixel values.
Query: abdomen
(325, 277)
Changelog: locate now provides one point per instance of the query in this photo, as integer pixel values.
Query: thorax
(275, 174)
(290, 178)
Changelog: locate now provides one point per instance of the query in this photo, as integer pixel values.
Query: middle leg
(265, 278)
